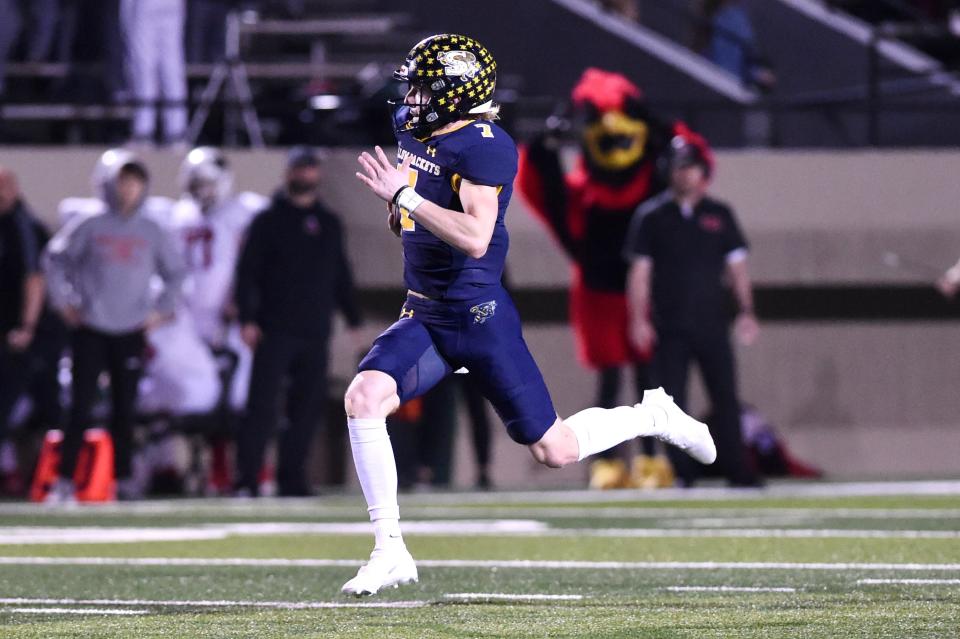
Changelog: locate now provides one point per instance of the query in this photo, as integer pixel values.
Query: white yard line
(909, 582)
(694, 514)
(499, 596)
(28, 535)
(774, 490)
(19, 535)
(77, 611)
(574, 511)
(349, 503)
(752, 533)
(284, 605)
(728, 589)
(479, 563)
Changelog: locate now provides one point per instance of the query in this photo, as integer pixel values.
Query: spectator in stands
(681, 245)
(40, 33)
(9, 30)
(100, 270)
(156, 68)
(728, 39)
(293, 273)
(949, 282)
(206, 30)
(21, 292)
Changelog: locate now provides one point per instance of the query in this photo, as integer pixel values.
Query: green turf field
(811, 561)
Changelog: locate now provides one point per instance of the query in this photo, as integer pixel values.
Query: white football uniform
(181, 376)
(211, 247)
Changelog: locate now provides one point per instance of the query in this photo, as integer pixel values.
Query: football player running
(447, 194)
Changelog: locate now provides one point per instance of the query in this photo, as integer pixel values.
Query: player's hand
(71, 316)
(229, 312)
(747, 328)
(393, 219)
(251, 335)
(643, 335)
(19, 339)
(381, 176)
(948, 285)
(156, 319)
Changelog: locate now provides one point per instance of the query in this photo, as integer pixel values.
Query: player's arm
(468, 231)
(61, 263)
(173, 271)
(746, 325)
(641, 331)
(33, 286)
(949, 282)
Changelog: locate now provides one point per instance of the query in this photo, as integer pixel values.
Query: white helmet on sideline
(205, 177)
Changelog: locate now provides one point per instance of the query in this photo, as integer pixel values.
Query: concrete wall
(861, 399)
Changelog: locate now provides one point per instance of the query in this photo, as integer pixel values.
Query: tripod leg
(206, 101)
(251, 122)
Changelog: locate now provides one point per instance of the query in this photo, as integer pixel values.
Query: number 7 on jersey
(406, 222)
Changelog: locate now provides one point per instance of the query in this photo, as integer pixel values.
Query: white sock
(599, 429)
(377, 470)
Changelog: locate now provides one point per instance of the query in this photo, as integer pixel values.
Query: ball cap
(302, 155)
(688, 148)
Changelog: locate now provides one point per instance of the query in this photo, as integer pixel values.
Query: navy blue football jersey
(482, 153)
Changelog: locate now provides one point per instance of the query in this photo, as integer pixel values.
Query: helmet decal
(459, 63)
(460, 74)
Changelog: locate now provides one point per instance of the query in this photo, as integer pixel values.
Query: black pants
(122, 356)
(278, 357)
(206, 30)
(424, 447)
(13, 381)
(479, 420)
(608, 392)
(711, 350)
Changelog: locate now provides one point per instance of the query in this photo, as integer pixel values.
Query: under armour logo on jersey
(432, 151)
(483, 312)
(406, 313)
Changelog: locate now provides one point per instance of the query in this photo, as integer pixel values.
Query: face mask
(301, 187)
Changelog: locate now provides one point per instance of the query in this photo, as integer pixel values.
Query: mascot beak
(616, 141)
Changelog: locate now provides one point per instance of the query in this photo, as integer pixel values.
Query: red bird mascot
(588, 210)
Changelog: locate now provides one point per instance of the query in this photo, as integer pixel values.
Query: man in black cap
(292, 274)
(682, 246)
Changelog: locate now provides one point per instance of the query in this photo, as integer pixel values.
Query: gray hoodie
(107, 267)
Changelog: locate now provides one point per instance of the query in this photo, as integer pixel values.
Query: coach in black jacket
(21, 292)
(293, 273)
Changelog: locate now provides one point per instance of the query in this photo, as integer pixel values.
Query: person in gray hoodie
(102, 273)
